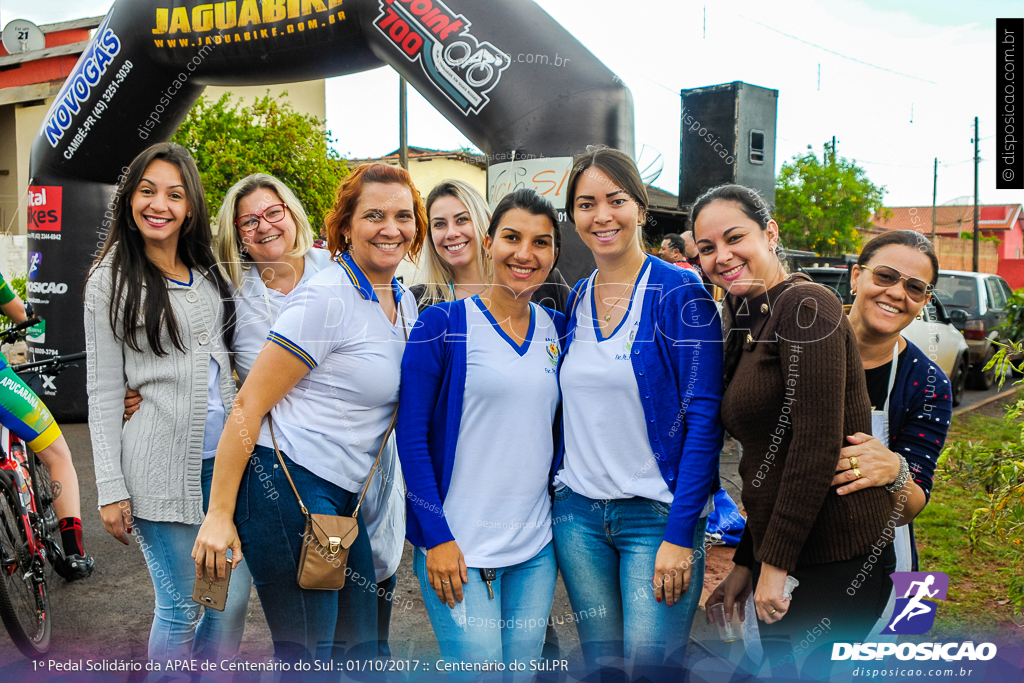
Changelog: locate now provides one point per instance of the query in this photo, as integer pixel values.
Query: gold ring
(853, 461)
(773, 611)
(856, 473)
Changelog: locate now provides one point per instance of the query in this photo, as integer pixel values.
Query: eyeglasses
(886, 276)
(249, 222)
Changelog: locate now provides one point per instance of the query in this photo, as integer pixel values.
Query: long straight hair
(140, 288)
(436, 273)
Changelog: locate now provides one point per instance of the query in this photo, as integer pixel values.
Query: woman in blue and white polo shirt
(641, 380)
(331, 380)
(476, 439)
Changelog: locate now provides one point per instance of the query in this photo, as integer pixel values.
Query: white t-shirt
(497, 505)
(333, 420)
(257, 307)
(214, 411)
(608, 453)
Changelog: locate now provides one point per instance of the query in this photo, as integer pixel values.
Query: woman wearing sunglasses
(795, 390)
(911, 401)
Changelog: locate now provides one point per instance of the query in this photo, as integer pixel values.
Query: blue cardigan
(677, 360)
(920, 410)
(430, 413)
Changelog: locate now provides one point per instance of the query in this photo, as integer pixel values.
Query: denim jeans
(509, 627)
(606, 552)
(178, 632)
(304, 624)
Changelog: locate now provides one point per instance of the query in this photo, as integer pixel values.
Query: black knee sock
(71, 535)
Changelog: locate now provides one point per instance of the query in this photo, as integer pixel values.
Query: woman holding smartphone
(640, 390)
(475, 429)
(329, 378)
(159, 316)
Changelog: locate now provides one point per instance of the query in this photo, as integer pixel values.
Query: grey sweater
(156, 460)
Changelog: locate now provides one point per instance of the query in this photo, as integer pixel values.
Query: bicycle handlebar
(57, 361)
(11, 333)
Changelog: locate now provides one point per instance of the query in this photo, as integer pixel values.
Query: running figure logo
(915, 610)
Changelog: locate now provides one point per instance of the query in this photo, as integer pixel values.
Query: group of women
(529, 440)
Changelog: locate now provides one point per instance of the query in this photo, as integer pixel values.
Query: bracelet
(901, 478)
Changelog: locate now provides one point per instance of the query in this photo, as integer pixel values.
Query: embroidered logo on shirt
(552, 351)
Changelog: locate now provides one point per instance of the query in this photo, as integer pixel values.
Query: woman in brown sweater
(796, 388)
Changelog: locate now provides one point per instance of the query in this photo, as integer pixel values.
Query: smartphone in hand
(212, 593)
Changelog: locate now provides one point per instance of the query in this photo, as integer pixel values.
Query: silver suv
(977, 306)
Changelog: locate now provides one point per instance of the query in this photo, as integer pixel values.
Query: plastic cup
(728, 630)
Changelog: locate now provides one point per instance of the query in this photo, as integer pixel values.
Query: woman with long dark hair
(641, 385)
(475, 429)
(159, 316)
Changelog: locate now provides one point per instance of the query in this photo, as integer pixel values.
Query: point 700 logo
(462, 68)
(915, 592)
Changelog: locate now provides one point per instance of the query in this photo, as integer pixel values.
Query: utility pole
(935, 188)
(833, 150)
(977, 212)
(403, 125)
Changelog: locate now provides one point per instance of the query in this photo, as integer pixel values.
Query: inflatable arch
(505, 73)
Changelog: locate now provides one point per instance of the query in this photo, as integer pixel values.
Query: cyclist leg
(57, 458)
(26, 415)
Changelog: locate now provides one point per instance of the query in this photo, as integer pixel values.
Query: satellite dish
(650, 163)
(961, 216)
(21, 35)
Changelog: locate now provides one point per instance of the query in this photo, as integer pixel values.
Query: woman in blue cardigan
(478, 403)
(641, 386)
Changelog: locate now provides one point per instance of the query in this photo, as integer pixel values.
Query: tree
(230, 142)
(820, 204)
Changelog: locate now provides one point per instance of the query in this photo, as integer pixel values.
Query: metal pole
(403, 125)
(935, 189)
(977, 212)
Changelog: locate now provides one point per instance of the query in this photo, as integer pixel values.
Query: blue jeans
(178, 632)
(509, 627)
(304, 624)
(606, 552)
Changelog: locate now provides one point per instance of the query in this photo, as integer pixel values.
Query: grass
(978, 581)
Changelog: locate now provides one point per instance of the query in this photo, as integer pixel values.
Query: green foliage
(230, 142)
(997, 472)
(819, 204)
(1014, 323)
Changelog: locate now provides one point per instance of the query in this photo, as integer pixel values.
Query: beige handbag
(327, 538)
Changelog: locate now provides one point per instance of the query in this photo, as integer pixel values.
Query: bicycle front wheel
(24, 600)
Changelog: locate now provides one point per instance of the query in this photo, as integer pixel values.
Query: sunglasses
(248, 223)
(886, 276)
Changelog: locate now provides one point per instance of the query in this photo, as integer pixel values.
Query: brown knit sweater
(797, 392)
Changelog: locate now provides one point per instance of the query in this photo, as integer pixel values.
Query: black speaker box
(727, 136)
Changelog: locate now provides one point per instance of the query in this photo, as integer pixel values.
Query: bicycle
(29, 538)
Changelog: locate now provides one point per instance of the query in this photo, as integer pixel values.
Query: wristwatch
(901, 478)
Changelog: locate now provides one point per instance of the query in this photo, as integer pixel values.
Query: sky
(900, 81)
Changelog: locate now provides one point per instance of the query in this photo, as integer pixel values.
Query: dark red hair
(339, 221)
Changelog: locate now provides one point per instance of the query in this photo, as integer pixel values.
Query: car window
(957, 291)
(1007, 292)
(996, 296)
(928, 312)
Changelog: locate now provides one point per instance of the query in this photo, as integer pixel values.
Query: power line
(838, 54)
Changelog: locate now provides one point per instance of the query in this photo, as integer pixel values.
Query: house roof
(425, 154)
(949, 219)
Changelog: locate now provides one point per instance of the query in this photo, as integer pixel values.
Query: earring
(190, 214)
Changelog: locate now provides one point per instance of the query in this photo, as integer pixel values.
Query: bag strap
(376, 462)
